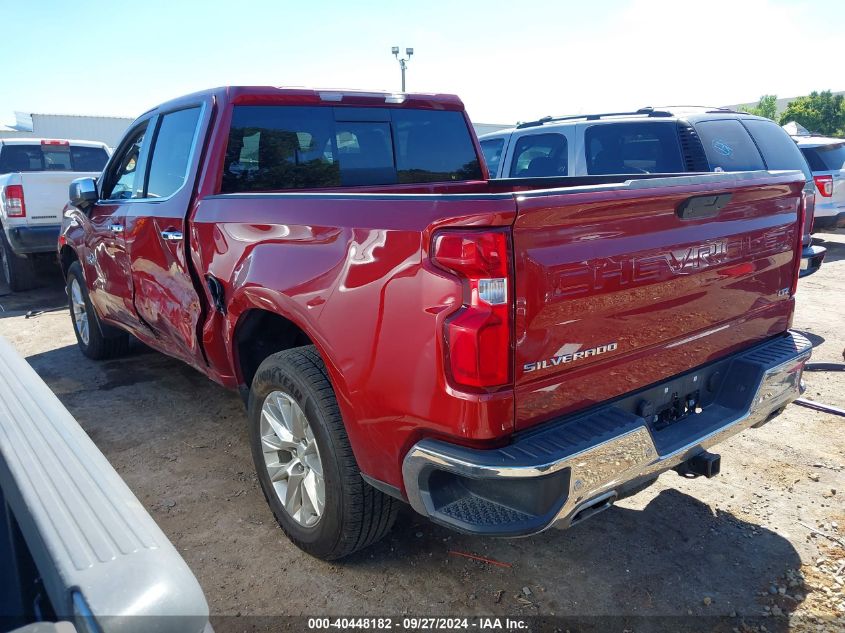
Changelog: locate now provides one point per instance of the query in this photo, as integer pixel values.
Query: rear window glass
(291, 147)
(728, 146)
(633, 148)
(14, 158)
(779, 150)
(539, 155)
(492, 150)
(825, 158)
(88, 158)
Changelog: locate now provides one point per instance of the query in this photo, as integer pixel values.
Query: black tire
(18, 272)
(103, 342)
(355, 514)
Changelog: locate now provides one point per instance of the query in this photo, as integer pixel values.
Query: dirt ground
(747, 544)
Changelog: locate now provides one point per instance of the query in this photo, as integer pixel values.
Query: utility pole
(403, 63)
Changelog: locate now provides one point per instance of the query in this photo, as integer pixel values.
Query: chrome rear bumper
(570, 468)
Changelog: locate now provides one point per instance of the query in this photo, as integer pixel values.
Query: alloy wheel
(292, 458)
(80, 313)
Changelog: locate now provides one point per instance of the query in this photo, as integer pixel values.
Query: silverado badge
(568, 354)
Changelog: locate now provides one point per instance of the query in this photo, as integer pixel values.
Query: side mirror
(83, 193)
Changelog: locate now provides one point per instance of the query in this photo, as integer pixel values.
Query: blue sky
(507, 60)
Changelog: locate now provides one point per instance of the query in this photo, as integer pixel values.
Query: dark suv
(652, 140)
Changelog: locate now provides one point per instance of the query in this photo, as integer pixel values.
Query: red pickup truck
(505, 355)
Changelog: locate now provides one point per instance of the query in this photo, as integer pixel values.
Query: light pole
(403, 63)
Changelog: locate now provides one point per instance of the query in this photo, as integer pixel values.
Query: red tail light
(808, 201)
(15, 204)
(55, 142)
(478, 336)
(825, 185)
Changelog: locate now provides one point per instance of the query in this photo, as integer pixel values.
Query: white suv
(826, 157)
(650, 141)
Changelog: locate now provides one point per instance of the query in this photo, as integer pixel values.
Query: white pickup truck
(34, 177)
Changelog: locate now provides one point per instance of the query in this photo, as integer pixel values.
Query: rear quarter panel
(350, 271)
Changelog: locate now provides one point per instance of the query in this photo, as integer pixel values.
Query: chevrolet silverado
(505, 355)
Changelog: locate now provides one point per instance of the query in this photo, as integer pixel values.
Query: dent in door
(163, 289)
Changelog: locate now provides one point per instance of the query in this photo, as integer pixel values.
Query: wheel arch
(258, 333)
(67, 255)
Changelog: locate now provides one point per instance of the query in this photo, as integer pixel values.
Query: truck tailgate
(617, 289)
(45, 193)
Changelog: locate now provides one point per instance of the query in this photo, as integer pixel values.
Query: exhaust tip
(593, 507)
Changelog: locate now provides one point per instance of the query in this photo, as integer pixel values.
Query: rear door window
(492, 150)
(539, 155)
(728, 146)
(778, 149)
(644, 147)
(826, 157)
(274, 148)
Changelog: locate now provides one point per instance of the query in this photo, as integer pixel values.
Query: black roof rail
(593, 117)
(706, 108)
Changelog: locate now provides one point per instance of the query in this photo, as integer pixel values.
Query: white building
(106, 129)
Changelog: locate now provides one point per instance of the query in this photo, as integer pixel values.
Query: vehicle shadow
(675, 557)
(48, 295)
(835, 250)
(181, 444)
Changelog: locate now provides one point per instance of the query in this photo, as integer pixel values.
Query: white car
(34, 178)
(826, 157)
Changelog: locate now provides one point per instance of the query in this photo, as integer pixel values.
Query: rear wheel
(304, 461)
(18, 272)
(89, 331)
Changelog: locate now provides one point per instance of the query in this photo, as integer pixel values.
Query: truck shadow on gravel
(49, 294)
(676, 555)
(180, 442)
(835, 250)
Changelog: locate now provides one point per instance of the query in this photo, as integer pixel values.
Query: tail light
(808, 201)
(56, 143)
(15, 204)
(825, 185)
(478, 336)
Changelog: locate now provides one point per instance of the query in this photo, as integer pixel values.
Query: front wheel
(304, 461)
(86, 324)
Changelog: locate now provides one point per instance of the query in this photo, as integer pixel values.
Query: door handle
(171, 236)
(116, 228)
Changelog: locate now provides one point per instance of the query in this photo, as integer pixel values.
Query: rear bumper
(811, 259)
(566, 470)
(34, 239)
(834, 221)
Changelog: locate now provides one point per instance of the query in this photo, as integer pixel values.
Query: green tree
(820, 112)
(767, 107)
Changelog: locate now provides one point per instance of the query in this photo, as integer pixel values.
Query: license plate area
(680, 407)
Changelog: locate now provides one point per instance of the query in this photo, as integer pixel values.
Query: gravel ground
(763, 540)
